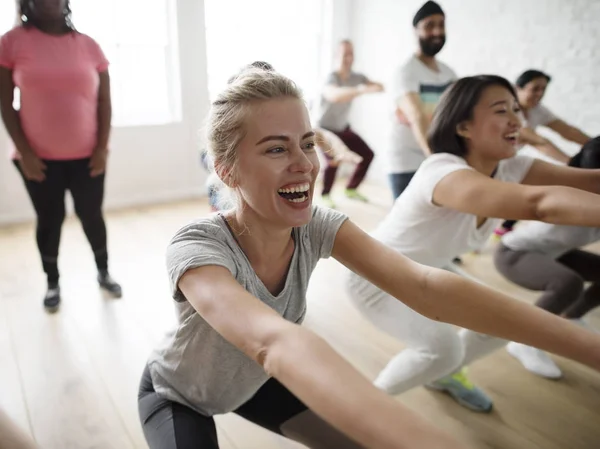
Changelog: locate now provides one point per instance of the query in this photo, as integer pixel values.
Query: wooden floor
(71, 378)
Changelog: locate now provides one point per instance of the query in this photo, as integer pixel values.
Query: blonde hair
(226, 120)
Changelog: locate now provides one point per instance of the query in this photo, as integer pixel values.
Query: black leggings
(562, 280)
(169, 425)
(48, 198)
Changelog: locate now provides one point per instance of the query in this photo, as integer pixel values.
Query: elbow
(281, 346)
(542, 204)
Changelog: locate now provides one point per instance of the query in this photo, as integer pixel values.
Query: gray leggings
(562, 280)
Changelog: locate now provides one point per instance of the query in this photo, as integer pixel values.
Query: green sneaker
(327, 201)
(463, 391)
(354, 195)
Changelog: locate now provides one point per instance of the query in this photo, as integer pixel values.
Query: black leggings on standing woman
(48, 198)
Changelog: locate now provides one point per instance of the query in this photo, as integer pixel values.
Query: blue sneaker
(463, 391)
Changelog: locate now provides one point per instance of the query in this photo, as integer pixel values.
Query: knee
(446, 351)
(368, 155)
(570, 285)
(89, 214)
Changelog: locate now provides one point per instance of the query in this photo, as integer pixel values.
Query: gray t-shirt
(334, 116)
(404, 154)
(195, 365)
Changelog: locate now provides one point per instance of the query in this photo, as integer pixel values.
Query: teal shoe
(463, 391)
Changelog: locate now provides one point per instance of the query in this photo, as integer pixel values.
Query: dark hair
(261, 65)
(456, 106)
(588, 156)
(28, 19)
(529, 75)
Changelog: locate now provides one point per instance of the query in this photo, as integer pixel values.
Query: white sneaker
(534, 360)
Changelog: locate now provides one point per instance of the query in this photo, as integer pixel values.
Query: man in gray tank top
(342, 87)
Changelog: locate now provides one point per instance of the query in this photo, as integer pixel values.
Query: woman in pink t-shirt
(60, 133)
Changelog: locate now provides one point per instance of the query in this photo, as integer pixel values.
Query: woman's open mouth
(295, 194)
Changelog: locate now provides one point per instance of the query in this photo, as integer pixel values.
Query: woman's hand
(345, 156)
(98, 162)
(32, 166)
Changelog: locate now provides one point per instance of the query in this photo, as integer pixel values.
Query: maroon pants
(355, 144)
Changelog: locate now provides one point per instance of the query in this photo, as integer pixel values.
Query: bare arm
(342, 94)
(542, 173)
(569, 132)
(443, 296)
(334, 148)
(411, 107)
(104, 116)
(473, 193)
(345, 94)
(104, 111)
(376, 86)
(307, 365)
(10, 117)
(33, 167)
(529, 136)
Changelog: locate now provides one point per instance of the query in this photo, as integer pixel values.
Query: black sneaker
(52, 298)
(108, 284)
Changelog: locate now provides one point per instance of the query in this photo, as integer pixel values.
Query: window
(8, 15)
(286, 34)
(139, 39)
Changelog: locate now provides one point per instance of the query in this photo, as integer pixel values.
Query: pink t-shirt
(58, 78)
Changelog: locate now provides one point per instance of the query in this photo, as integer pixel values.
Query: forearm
(419, 127)
(342, 94)
(551, 150)
(567, 206)
(452, 299)
(12, 122)
(576, 135)
(338, 393)
(104, 124)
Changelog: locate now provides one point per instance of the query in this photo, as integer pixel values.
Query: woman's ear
(462, 129)
(226, 175)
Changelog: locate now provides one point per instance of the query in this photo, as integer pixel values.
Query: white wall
(503, 37)
(147, 164)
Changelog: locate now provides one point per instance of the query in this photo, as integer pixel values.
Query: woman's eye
(310, 146)
(276, 150)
